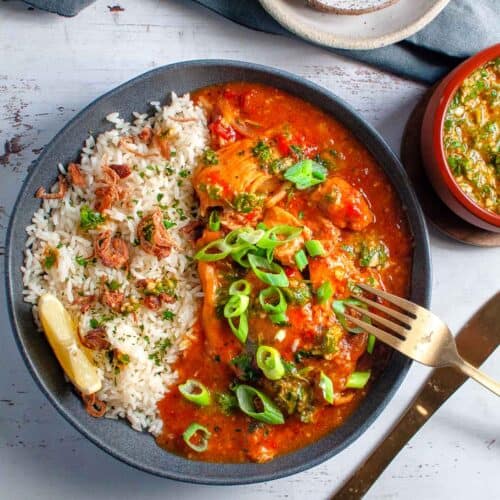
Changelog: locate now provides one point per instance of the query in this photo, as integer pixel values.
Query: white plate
(365, 31)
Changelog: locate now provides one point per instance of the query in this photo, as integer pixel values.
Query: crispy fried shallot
(145, 135)
(112, 251)
(75, 175)
(84, 301)
(96, 339)
(122, 170)
(94, 406)
(113, 299)
(152, 302)
(59, 195)
(153, 237)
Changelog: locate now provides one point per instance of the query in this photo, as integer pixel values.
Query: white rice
(134, 391)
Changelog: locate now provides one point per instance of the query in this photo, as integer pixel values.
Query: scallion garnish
(240, 287)
(315, 248)
(236, 306)
(202, 435)
(339, 310)
(279, 318)
(357, 380)
(324, 292)
(195, 392)
(269, 361)
(305, 174)
(301, 260)
(370, 344)
(326, 386)
(240, 330)
(214, 221)
(272, 300)
(216, 250)
(278, 235)
(268, 272)
(268, 412)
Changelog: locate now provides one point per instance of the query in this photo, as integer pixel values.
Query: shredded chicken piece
(75, 175)
(112, 251)
(154, 238)
(94, 406)
(96, 339)
(122, 170)
(113, 299)
(59, 195)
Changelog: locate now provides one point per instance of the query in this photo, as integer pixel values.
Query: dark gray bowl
(117, 438)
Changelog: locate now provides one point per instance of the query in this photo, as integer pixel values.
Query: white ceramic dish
(365, 31)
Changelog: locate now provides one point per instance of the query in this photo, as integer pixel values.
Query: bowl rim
(451, 85)
(421, 274)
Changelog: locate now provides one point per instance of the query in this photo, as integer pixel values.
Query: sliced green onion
(305, 174)
(270, 254)
(357, 380)
(204, 436)
(370, 344)
(268, 272)
(269, 361)
(272, 300)
(339, 309)
(240, 287)
(214, 221)
(278, 235)
(267, 412)
(241, 256)
(207, 253)
(324, 292)
(252, 236)
(326, 386)
(301, 260)
(241, 329)
(279, 318)
(195, 392)
(233, 240)
(236, 306)
(315, 248)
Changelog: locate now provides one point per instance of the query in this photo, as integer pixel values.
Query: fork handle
(477, 375)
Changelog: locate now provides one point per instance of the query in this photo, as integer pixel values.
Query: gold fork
(418, 334)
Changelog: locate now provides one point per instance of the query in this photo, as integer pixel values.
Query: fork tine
(385, 337)
(406, 305)
(391, 312)
(398, 329)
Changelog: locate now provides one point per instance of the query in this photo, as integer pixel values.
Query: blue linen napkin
(461, 29)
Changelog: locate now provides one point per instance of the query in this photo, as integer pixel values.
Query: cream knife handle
(477, 375)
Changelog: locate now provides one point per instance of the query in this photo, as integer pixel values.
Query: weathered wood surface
(51, 67)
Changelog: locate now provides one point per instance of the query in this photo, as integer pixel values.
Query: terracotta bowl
(433, 153)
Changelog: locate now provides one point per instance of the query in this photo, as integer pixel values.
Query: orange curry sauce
(253, 112)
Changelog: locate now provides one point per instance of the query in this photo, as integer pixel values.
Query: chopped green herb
(89, 219)
(50, 259)
(262, 152)
(210, 157)
(113, 285)
(168, 315)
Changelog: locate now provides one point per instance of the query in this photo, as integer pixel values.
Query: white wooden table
(50, 68)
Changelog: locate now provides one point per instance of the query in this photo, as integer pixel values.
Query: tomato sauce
(264, 112)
